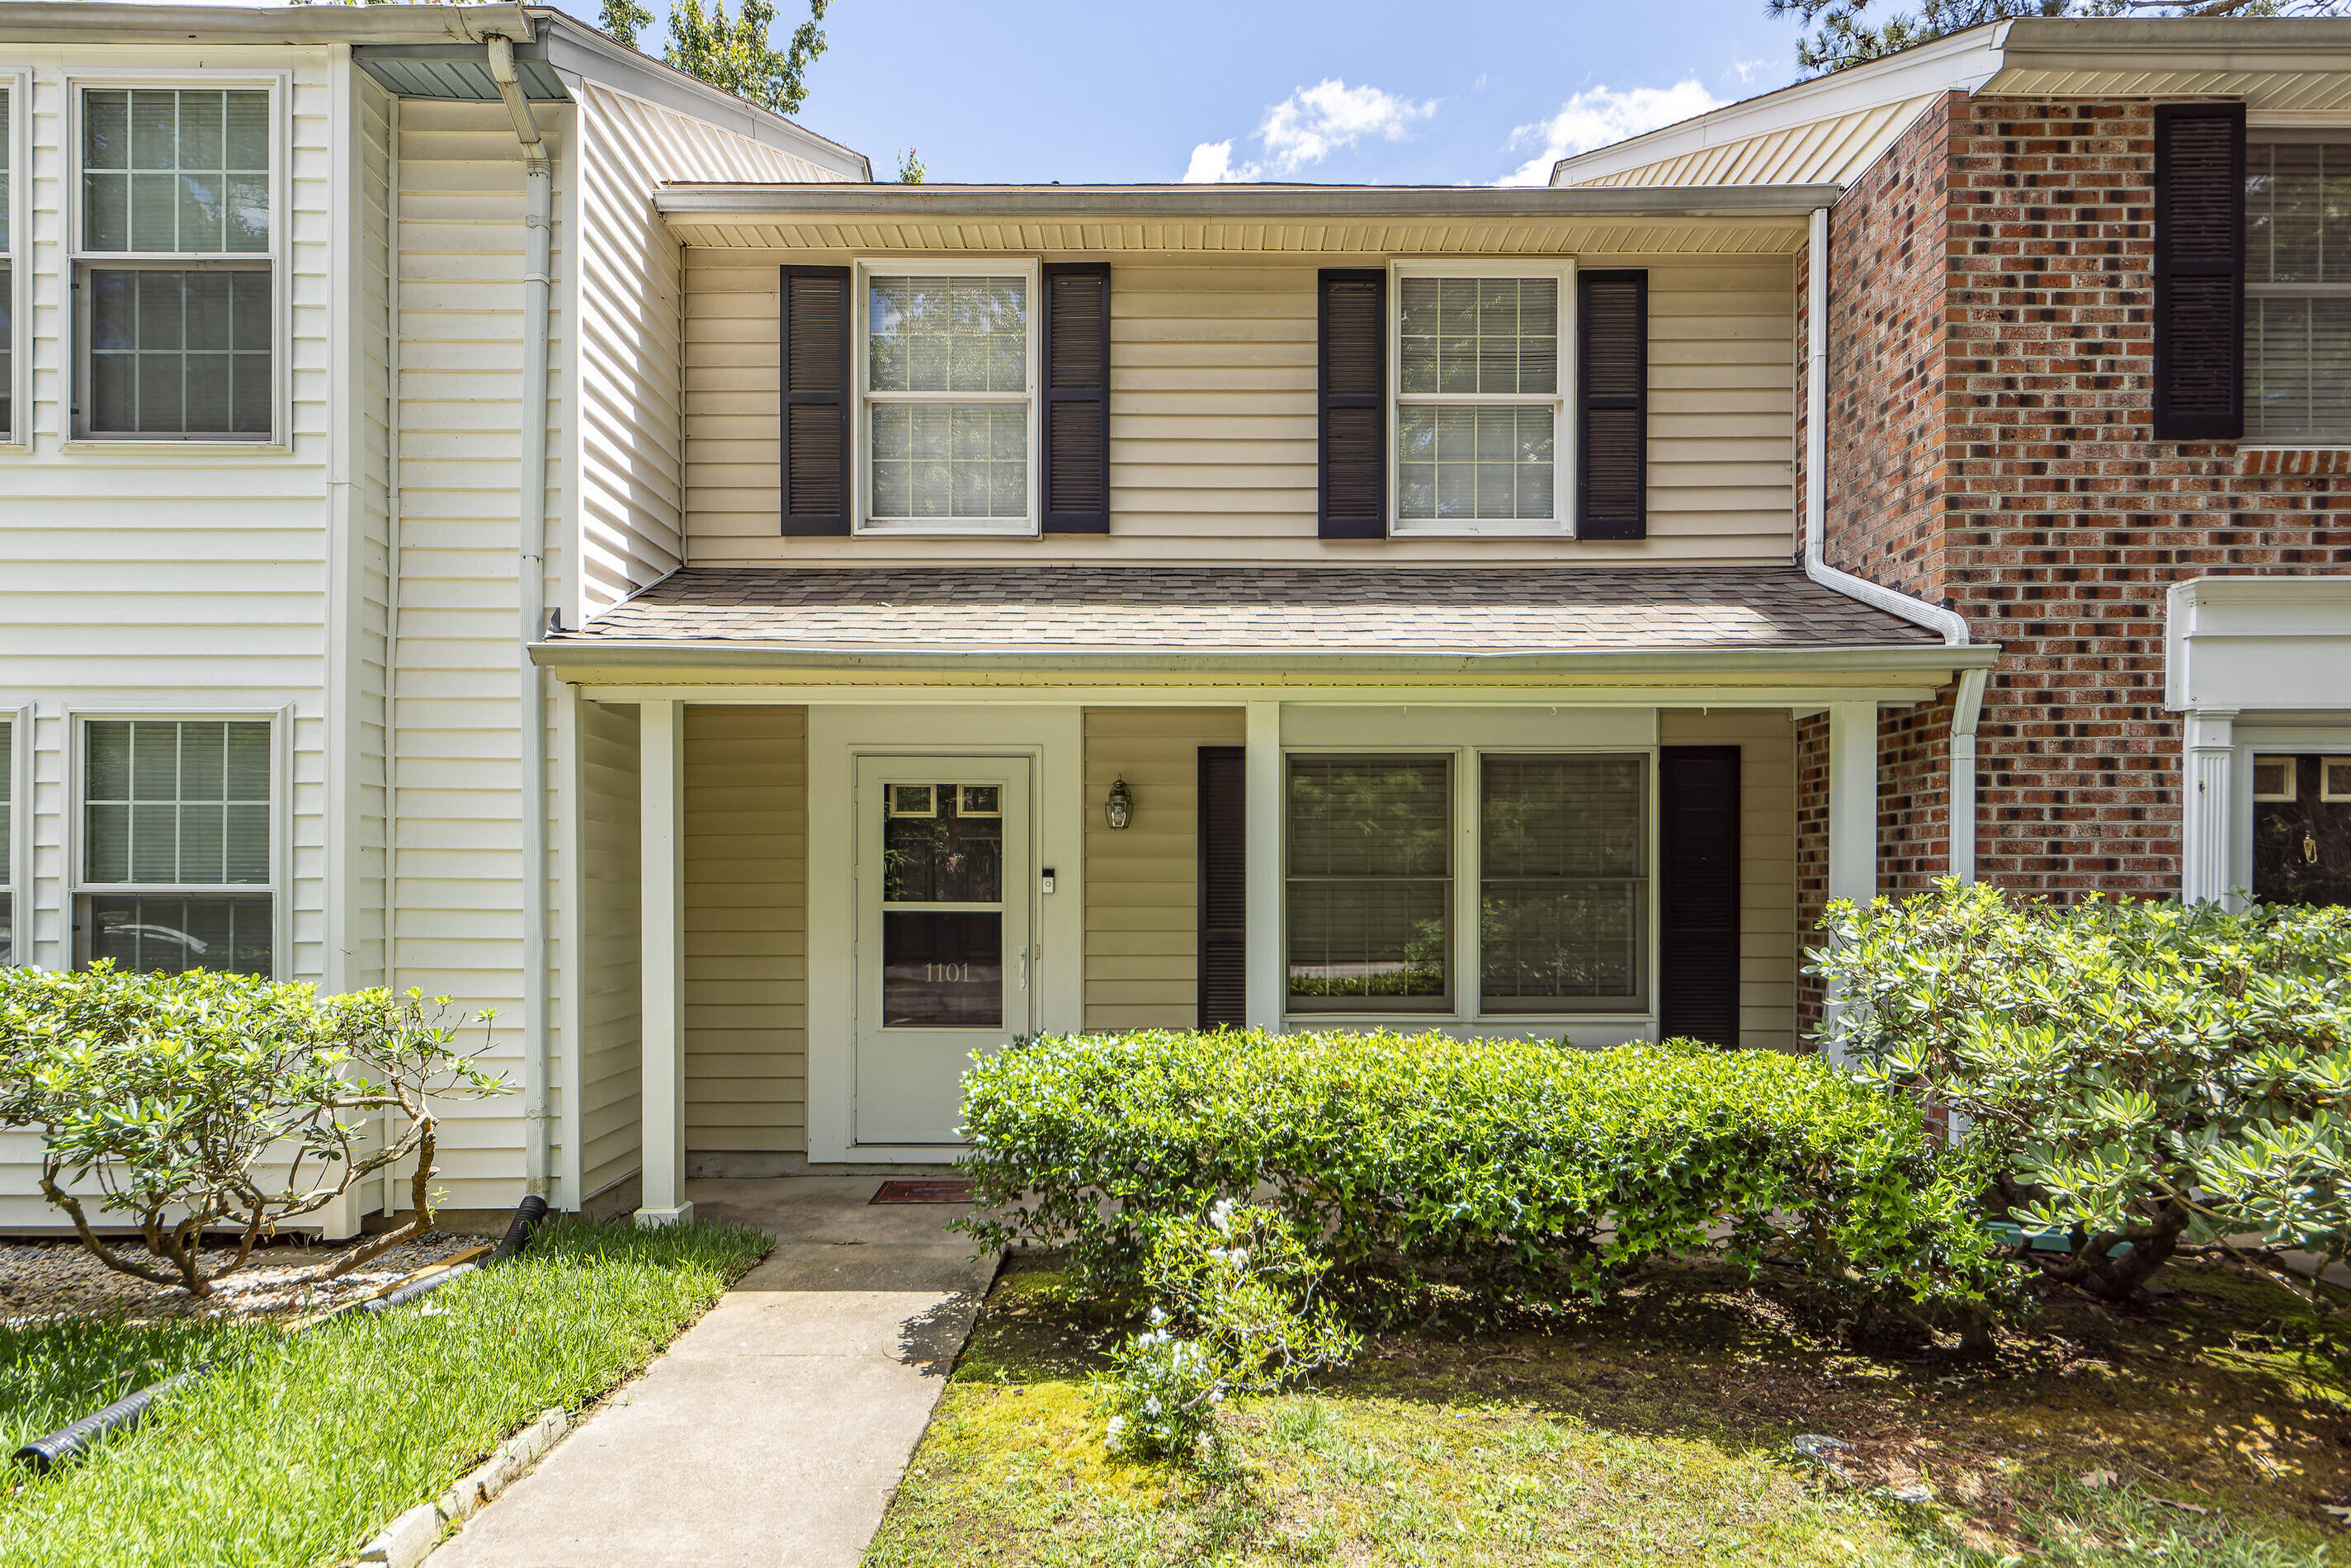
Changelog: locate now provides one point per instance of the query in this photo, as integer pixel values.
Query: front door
(942, 890)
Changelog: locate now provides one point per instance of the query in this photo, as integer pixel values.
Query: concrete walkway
(774, 1430)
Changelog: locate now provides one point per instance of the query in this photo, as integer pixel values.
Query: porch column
(661, 1107)
(1853, 818)
(1263, 988)
(2208, 815)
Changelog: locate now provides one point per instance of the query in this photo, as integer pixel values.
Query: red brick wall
(2042, 512)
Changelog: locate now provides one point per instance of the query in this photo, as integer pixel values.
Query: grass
(1656, 1431)
(296, 1450)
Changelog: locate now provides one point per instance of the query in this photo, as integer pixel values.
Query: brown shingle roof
(1251, 609)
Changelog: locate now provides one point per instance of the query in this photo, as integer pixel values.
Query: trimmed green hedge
(1522, 1170)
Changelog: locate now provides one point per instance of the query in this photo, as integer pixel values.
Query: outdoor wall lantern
(1120, 808)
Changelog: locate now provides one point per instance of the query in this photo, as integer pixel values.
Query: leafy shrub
(201, 1099)
(1518, 1169)
(1233, 1312)
(2146, 1072)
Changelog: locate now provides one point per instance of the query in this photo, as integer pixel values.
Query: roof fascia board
(2187, 44)
(1962, 61)
(583, 53)
(591, 653)
(97, 22)
(895, 203)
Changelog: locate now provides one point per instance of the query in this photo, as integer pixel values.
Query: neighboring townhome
(314, 407)
(2088, 387)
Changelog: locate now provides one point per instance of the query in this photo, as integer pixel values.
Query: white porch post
(2208, 816)
(662, 1104)
(1264, 984)
(1853, 817)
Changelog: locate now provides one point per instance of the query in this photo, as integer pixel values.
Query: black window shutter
(1697, 800)
(1076, 398)
(1224, 887)
(1351, 414)
(2200, 271)
(815, 375)
(1612, 405)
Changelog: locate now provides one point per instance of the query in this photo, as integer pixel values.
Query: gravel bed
(41, 1280)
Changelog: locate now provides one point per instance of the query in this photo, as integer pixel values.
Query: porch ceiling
(1271, 616)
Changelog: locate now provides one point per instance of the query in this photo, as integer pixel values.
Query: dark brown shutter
(2200, 271)
(815, 359)
(1076, 398)
(1353, 407)
(1698, 967)
(1612, 405)
(1224, 887)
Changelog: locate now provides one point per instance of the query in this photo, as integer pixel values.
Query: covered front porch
(835, 831)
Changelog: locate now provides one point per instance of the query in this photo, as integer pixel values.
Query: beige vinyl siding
(456, 855)
(745, 930)
(1142, 894)
(631, 283)
(145, 577)
(1213, 424)
(1767, 944)
(611, 1002)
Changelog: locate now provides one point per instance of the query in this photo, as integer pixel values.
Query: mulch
(41, 1281)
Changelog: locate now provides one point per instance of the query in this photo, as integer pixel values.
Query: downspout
(1948, 624)
(538, 212)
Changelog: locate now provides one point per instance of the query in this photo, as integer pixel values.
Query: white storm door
(943, 882)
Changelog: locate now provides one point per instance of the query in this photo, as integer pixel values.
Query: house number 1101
(952, 974)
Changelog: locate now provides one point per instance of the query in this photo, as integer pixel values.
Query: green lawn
(1655, 1431)
(296, 1450)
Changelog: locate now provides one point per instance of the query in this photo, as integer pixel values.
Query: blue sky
(1339, 90)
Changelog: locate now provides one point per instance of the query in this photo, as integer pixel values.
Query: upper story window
(2298, 291)
(1479, 401)
(947, 398)
(174, 264)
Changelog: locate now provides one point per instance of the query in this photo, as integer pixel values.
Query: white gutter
(1952, 626)
(538, 216)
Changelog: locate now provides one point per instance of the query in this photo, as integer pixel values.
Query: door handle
(1024, 968)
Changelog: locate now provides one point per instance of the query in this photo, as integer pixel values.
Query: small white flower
(1151, 1405)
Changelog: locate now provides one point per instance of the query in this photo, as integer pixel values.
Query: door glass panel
(943, 969)
(2302, 830)
(938, 847)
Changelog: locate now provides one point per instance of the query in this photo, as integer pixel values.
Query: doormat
(922, 1192)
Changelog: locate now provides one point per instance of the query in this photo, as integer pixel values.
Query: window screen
(1563, 887)
(1370, 886)
(176, 852)
(2298, 291)
(1465, 338)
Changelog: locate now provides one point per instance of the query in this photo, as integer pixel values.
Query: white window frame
(1466, 1002)
(862, 275)
(17, 131)
(77, 884)
(1562, 522)
(79, 262)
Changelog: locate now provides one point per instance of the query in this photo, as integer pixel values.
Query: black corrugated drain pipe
(45, 1454)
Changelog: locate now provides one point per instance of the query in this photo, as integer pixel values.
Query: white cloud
(1212, 165)
(1745, 69)
(1600, 115)
(1307, 127)
(1315, 121)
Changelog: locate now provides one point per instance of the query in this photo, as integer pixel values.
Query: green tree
(911, 170)
(734, 52)
(624, 19)
(1847, 32)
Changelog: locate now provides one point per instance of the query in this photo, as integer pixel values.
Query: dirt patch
(44, 1280)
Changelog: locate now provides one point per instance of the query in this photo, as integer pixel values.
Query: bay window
(1559, 913)
(174, 272)
(947, 403)
(2298, 290)
(177, 845)
(1480, 361)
